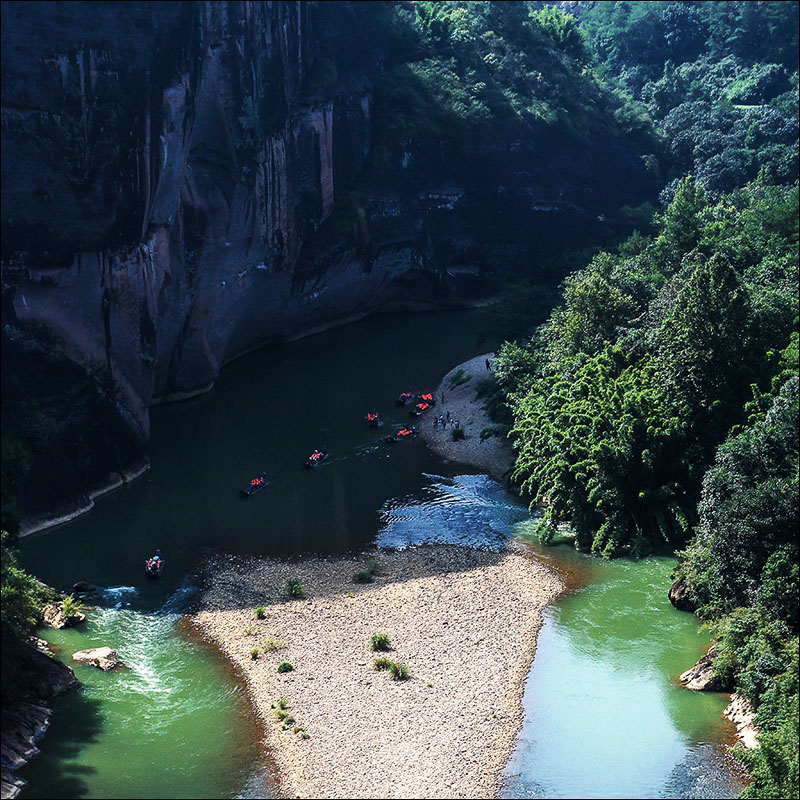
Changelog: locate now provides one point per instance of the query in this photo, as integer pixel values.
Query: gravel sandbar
(464, 622)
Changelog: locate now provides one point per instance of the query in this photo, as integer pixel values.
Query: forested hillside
(657, 407)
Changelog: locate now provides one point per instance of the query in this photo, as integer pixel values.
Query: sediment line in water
(464, 621)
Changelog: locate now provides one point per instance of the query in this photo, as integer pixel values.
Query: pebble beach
(463, 621)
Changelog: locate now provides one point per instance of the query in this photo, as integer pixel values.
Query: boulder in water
(679, 596)
(82, 587)
(101, 657)
(701, 678)
(54, 617)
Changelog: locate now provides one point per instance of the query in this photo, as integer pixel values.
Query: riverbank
(493, 455)
(84, 506)
(464, 622)
(36, 678)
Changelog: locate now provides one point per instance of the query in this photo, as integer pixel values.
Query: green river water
(604, 715)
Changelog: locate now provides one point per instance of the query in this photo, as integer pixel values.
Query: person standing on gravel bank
(488, 365)
(442, 397)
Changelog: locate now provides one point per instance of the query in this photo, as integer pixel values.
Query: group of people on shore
(443, 421)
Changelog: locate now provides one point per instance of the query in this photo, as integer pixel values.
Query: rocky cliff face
(171, 173)
(163, 164)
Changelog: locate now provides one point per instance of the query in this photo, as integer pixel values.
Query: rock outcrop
(679, 596)
(101, 657)
(740, 713)
(53, 616)
(23, 724)
(33, 678)
(701, 677)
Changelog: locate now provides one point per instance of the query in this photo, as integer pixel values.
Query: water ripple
(469, 510)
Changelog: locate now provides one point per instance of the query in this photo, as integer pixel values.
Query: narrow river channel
(603, 714)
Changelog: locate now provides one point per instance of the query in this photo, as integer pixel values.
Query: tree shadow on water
(77, 722)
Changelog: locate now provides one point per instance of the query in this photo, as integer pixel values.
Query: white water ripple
(469, 510)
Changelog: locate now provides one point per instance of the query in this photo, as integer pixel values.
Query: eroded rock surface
(101, 657)
(34, 678)
(679, 596)
(701, 676)
(741, 714)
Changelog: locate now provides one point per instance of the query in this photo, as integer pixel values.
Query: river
(604, 716)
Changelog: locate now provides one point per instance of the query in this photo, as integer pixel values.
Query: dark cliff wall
(163, 164)
(177, 189)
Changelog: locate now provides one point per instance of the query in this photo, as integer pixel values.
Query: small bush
(280, 714)
(399, 671)
(304, 735)
(298, 729)
(486, 388)
(285, 666)
(363, 577)
(382, 663)
(260, 612)
(254, 653)
(459, 377)
(380, 641)
(500, 430)
(282, 702)
(271, 645)
(374, 568)
(288, 721)
(458, 433)
(294, 588)
(71, 606)
(249, 631)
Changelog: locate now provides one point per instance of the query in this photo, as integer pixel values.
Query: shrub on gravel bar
(294, 588)
(380, 641)
(399, 671)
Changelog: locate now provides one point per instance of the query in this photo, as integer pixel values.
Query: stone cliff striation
(178, 189)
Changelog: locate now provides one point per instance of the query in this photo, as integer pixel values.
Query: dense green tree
(22, 595)
(563, 29)
(681, 224)
(746, 540)
(600, 449)
(703, 346)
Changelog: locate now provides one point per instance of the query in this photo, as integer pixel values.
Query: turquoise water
(603, 714)
(172, 723)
